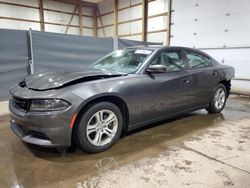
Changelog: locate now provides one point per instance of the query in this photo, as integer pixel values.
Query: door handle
(215, 73)
(186, 81)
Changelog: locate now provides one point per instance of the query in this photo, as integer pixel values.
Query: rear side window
(196, 60)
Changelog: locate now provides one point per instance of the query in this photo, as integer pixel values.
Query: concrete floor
(196, 150)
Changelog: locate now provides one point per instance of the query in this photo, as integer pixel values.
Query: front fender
(97, 96)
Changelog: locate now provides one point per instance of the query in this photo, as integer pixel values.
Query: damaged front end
(47, 81)
(43, 105)
(41, 117)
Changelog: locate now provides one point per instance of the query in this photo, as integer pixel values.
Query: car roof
(162, 47)
(157, 47)
(147, 47)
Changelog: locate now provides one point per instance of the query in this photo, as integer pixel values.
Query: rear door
(166, 93)
(204, 78)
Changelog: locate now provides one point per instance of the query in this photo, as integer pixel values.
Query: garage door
(219, 27)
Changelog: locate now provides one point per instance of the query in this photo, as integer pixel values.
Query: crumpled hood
(52, 80)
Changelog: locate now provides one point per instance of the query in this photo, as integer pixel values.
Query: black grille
(22, 104)
(37, 134)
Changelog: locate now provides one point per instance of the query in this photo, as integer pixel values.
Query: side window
(196, 60)
(171, 60)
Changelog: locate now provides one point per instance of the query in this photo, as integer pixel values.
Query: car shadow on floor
(48, 165)
(139, 139)
(200, 114)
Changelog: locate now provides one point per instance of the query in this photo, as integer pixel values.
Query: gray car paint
(148, 97)
(54, 80)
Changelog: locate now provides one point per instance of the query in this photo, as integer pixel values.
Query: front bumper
(30, 138)
(49, 129)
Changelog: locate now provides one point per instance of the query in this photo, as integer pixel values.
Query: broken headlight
(48, 105)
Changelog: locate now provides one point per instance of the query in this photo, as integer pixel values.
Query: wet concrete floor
(195, 150)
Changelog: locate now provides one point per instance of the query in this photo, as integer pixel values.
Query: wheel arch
(116, 100)
(227, 84)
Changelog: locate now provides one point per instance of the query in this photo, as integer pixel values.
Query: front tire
(218, 100)
(99, 127)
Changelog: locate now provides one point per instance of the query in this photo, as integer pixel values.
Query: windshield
(126, 61)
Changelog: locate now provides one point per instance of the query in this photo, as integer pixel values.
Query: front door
(166, 93)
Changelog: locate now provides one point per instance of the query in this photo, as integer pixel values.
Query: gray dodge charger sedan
(124, 90)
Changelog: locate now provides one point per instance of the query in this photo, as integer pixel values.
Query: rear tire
(99, 127)
(218, 99)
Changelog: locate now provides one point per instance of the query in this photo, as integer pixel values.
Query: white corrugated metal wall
(57, 20)
(157, 23)
(19, 12)
(133, 30)
(30, 13)
(55, 17)
(221, 28)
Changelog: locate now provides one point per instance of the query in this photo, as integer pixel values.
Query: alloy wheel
(102, 127)
(219, 98)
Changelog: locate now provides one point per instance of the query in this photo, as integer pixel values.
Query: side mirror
(157, 69)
